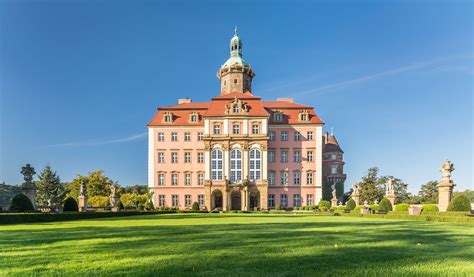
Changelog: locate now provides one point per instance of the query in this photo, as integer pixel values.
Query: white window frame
(271, 200)
(187, 157)
(283, 200)
(255, 164)
(200, 157)
(188, 200)
(309, 156)
(217, 164)
(297, 178)
(310, 135)
(201, 179)
(175, 200)
(161, 179)
(255, 129)
(284, 156)
(187, 136)
(200, 136)
(161, 200)
(235, 165)
(174, 136)
(187, 179)
(174, 179)
(216, 129)
(271, 178)
(297, 156)
(309, 178)
(271, 156)
(161, 136)
(161, 157)
(236, 129)
(284, 178)
(296, 200)
(297, 136)
(271, 135)
(174, 157)
(284, 136)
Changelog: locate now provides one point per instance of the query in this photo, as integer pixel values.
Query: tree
(21, 203)
(385, 205)
(399, 187)
(351, 204)
(371, 186)
(49, 189)
(468, 193)
(97, 184)
(429, 193)
(137, 189)
(195, 206)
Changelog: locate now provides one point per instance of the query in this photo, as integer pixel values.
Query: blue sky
(81, 79)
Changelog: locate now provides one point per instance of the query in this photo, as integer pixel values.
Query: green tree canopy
(49, 189)
(429, 193)
(97, 184)
(373, 187)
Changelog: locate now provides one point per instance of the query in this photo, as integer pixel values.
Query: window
(284, 156)
(309, 200)
(296, 200)
(297, 136)
(235, 81)
(304, 117)
(187, 179)
(236, 129)
(200, 179)
(174, 157)
(187, 157)
(174, 179)
(296, 178)
(216, 164)
(200, 157)
(309, 178)
(278, 117)
(271, 156)
(161, 157)
(333, 169)
(161, 200)
(194, 117)
(187, 136)
(161, 179)
(255, 129)
(174, 200)
(271, 178)
(284, 200)
(161, 136)
(235, 108)
(284, 135)
(284, 178)
(271, 135)
(235, 165)
(187, 200)
(271, 200)
(200, 136)
(255, 164)
(217, 129)
(309, 156)
(201, 199)
(333, 156)
(174, 136)
(310, 135)
(168, 117)
(297, 156)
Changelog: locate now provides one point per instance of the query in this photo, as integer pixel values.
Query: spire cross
(235, 30)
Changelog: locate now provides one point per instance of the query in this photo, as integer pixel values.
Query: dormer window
(194, 117)
(304, 115)
(168, 117)
(278, 116)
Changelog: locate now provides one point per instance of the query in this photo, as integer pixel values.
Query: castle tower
(333, 167)
(235, 74)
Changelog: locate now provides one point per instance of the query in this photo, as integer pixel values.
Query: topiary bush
(402, 207)
(70, 205)
(357, 209)
(350, 205)
(324, 205)
(460, 203)
(99, 201)
(429, 208)
(385, 205)
(277, 207)
(195, 206)
(21, 203)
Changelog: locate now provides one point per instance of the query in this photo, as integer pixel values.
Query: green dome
(235, 52)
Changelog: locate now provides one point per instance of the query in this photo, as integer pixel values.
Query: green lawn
(237, 244)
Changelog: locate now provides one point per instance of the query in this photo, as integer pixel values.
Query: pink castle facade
(236, 152)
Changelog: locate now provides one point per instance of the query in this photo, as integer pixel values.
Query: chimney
(289, 100)
(184, 101)
(326, 137)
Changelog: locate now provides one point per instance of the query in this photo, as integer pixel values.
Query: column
(318, 174)
(207, 167)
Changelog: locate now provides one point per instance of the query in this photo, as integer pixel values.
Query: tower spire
(235, 30)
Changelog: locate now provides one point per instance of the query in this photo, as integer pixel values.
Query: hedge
(350, 205)
(324, 204)
(438, 217)
(402, 207)
(385, 205)
(21, 203)
(13, 218)
(430, 208)
(70, 205)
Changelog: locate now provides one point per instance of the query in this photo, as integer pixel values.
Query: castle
(238, 152)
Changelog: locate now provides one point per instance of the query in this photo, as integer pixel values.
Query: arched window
(216, 164)
(235, 165)
(255, 164)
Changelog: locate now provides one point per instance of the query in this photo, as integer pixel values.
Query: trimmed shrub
(350, 205)
(324, 204)
(99, 201)
(195, 206)
(70, 205)
(374, 207)
(402, 207)
(385, 205)
(277, 207)
(460, 203)
(429, 208)
(357, 209)
(21, 203)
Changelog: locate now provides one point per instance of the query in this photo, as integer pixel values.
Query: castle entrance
(236, 201)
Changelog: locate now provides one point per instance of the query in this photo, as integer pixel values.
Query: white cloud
(96, 142)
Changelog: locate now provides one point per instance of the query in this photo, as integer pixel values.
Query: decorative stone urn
(445, 186)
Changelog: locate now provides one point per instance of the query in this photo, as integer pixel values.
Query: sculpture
(113, 195)
(446, 170)
(28, 187)
(445, 186)
(389, 188)
(82, 188)
(28, 171)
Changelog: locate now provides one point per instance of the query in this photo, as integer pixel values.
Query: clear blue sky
(81, 79)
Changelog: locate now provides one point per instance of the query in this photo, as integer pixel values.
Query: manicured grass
(237, 244)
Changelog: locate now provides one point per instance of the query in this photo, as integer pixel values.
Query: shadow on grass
(203, 245)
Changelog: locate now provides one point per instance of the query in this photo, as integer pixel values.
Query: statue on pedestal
(82, 197)
(445, 186)
(356, 193)
(390, 191)
(113, 197)
(28, 187)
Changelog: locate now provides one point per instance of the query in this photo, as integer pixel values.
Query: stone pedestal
(364, 210)
(445, 194)
(334, 202)
(82, 203)
(414, 210)
(30, 192)
(391, 198)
